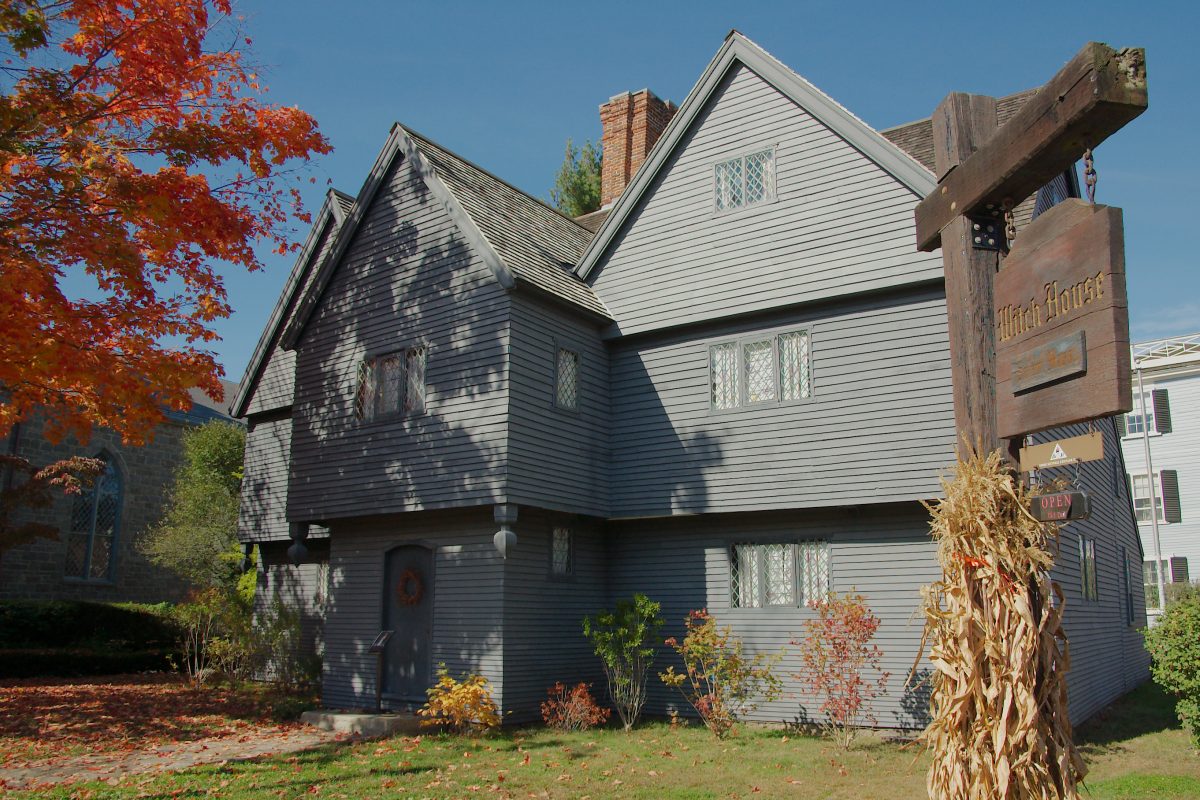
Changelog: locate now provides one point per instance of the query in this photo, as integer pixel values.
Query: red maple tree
(137, 151)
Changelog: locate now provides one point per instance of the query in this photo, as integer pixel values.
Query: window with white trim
(566, 372)
(1135, 423)
(756, 370)
(1140, 488)
(1157, 418)
(779, 574)
(391, 384)
(560, 552)
(744, 181)
(1087, 568)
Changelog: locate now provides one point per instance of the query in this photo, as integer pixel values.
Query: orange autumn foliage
(136, 155)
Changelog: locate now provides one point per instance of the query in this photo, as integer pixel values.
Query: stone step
(367, 725)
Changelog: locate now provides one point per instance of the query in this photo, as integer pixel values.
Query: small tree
(577, 186)
(1174, 644)
(718, 680)
(837, 653)
(624, 639)
(197, 535)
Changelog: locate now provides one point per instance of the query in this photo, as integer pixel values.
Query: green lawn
(1136, 751)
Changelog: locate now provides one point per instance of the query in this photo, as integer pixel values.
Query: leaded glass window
(1087, 568)
(560, 552)
(759, 358)
(390, 384)
(95, 523)
(566, 392)
(744, 181)
(762, 369)
(793, 366)
(724, 374)
(780, 574)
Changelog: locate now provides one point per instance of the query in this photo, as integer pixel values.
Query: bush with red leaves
(572, 708)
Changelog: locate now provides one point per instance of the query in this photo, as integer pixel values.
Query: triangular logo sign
(1059, 454)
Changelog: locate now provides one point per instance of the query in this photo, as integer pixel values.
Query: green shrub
(625, 640)
(41, 624)
(1174, 644)
(73, 662)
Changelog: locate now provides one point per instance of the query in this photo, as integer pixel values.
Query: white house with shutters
(1162, 450)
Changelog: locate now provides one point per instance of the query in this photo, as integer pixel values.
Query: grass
(1136, 751)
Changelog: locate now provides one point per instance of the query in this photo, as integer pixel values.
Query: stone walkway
(164, 758)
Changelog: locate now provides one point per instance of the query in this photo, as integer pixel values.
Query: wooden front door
(408, 611)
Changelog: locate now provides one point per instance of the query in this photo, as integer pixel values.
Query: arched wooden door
(408, 611)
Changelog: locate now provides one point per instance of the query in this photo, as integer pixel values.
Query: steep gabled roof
(522, 240)
(737, 49)
(332, 214)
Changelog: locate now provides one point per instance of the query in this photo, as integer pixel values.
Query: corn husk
(993, 624)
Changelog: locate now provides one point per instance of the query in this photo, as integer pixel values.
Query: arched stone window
(95, 524)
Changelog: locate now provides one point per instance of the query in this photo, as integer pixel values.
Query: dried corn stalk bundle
(999, 702)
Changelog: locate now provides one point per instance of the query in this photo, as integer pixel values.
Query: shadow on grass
(1145, 710)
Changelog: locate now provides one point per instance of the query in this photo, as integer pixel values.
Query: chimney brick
(631, 123)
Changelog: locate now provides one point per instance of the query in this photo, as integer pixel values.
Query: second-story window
(759, 370)
(391, 384)
(1157, 418)
(566, 388)
(744, 181)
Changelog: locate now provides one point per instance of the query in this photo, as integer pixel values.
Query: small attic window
(747, 180)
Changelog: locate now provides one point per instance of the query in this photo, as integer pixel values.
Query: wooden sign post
(982, 169)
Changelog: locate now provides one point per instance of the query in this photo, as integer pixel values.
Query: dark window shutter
(1170, 495)
(1129, 488)
(1162, 411)
(1179, 569)
(1120, 420)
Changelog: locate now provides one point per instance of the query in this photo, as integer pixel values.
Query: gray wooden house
(729, 389)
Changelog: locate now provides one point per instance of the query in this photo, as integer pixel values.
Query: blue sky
(504, 84)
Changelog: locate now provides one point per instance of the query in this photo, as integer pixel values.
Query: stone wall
(36, 570)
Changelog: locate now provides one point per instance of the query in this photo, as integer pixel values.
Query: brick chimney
(631, 124)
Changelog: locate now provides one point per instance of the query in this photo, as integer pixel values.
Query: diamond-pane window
(793, 366)
(724, 374)
(566, 393)
(414, 398)
(759, 358)
(560, 553)
(744, 181)
(763, 369)
(391, 384)
(95, 522)
(779, 574)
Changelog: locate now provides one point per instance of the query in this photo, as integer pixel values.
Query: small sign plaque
(1062, 321)
(1061, 507)
(1063, 453)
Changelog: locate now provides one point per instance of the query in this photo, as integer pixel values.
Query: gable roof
(332, 214)
(522, 241)
(738, 49)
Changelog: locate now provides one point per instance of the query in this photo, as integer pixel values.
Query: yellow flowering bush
(461, 706)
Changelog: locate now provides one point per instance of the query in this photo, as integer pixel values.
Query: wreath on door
(410, 588)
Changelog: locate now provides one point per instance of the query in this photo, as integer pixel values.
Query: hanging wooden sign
(1062, 321)
(1063, 453)
(1061, 507)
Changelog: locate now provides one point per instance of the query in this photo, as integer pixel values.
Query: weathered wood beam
(1092, 97)
(960, 123)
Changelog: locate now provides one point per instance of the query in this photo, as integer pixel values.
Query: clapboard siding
(408, 277)
(262, 515)
(878, 428)
(684, 563)
(1108, 657)
(557, 459)
(467, 589)
(302, 588)
(275, 388)
(1178, 450)
(543, 614)
(840, 223)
